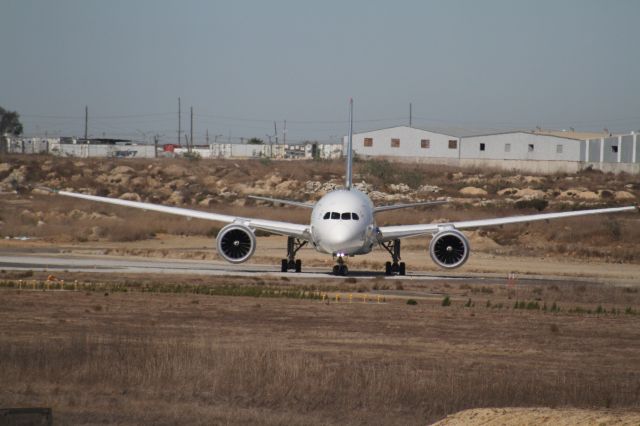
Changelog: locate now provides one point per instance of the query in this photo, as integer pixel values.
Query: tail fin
(349, 175)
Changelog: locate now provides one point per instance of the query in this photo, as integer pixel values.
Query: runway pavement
(11, 260)
(55, 262)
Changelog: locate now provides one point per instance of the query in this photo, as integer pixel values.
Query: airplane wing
(281, 201)
(406, 206)
(272, 226)
(387, 233)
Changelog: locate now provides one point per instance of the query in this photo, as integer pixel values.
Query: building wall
(410, 140)
(593, 150)
(99, 150)
(626, 147)
(516, 146)
(608, 156)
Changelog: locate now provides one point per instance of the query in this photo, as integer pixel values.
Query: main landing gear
(395, 268)
(340, 268)
(293, 245)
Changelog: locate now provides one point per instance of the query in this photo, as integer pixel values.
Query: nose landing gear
(293, 245)
(396, 267)
(340, 268)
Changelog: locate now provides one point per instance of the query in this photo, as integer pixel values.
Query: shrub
(535, 203)
(446, 301)
(412, 302)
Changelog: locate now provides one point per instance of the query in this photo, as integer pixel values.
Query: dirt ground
(540, 416)
(169, 354)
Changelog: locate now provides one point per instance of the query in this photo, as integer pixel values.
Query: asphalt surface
(44, 261)
(49, 261)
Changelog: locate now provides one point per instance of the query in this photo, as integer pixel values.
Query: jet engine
(236, 243)
(449, 248)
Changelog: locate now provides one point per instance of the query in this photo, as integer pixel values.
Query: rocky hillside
(205, 183)
(223, 185)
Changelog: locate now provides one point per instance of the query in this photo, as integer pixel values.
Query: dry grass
(139, 357)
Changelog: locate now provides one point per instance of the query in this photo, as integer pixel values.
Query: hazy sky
(465, 65)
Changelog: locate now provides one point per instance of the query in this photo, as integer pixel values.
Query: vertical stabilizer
(349, 174)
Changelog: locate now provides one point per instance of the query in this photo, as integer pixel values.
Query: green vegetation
(10, 122)
(446, 301)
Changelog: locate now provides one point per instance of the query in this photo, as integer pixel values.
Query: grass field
(139, 350)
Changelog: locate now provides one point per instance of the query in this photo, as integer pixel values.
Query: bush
(446, 301)
(535, 203)
(412, 302)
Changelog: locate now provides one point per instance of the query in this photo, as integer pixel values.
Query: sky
(465, 66)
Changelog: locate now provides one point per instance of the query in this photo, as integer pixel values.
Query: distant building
(539, 151)
(276, 151)
(404, 141)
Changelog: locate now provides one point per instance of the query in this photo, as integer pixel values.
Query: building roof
(572, 134)
(406, 127)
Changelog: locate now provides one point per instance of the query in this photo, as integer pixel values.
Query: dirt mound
(540, 416)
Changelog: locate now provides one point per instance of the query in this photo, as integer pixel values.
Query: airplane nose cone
(341, 239)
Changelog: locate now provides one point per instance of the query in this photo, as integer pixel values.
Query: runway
(115, 264)
(103, 264)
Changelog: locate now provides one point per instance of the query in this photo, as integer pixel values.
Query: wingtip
(45, 188)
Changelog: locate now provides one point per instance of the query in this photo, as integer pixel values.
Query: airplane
(343, 224)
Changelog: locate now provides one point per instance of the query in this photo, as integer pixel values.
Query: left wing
(273, 226)
(409, 205)
(281, 201)
(387, 233)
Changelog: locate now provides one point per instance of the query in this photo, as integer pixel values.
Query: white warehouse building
(516, 150)
(404, 141)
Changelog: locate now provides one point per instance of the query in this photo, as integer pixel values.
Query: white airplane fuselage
(342, 223)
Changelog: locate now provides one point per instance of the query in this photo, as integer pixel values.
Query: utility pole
(155, 146)
(284, 133)
(191, 133)
(86, 122)
(207, 136)
(179, 123)
(410, 115)
(275, 131)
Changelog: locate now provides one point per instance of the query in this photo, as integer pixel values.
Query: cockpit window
(355, 216)
(327, 215)
(335, 215)
(346, 216)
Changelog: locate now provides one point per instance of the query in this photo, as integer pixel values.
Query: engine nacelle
(449, 248)
(236, 243)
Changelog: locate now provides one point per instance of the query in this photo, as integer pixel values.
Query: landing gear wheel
(293, 245)
(402, 270)
(336, 270)
(387, 268)
(343, 270)
(395, 268)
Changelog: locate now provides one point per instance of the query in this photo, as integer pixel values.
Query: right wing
(272, 226)
(388, 233)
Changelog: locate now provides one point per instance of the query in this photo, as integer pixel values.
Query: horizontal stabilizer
(277, 200)
(409, 205)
